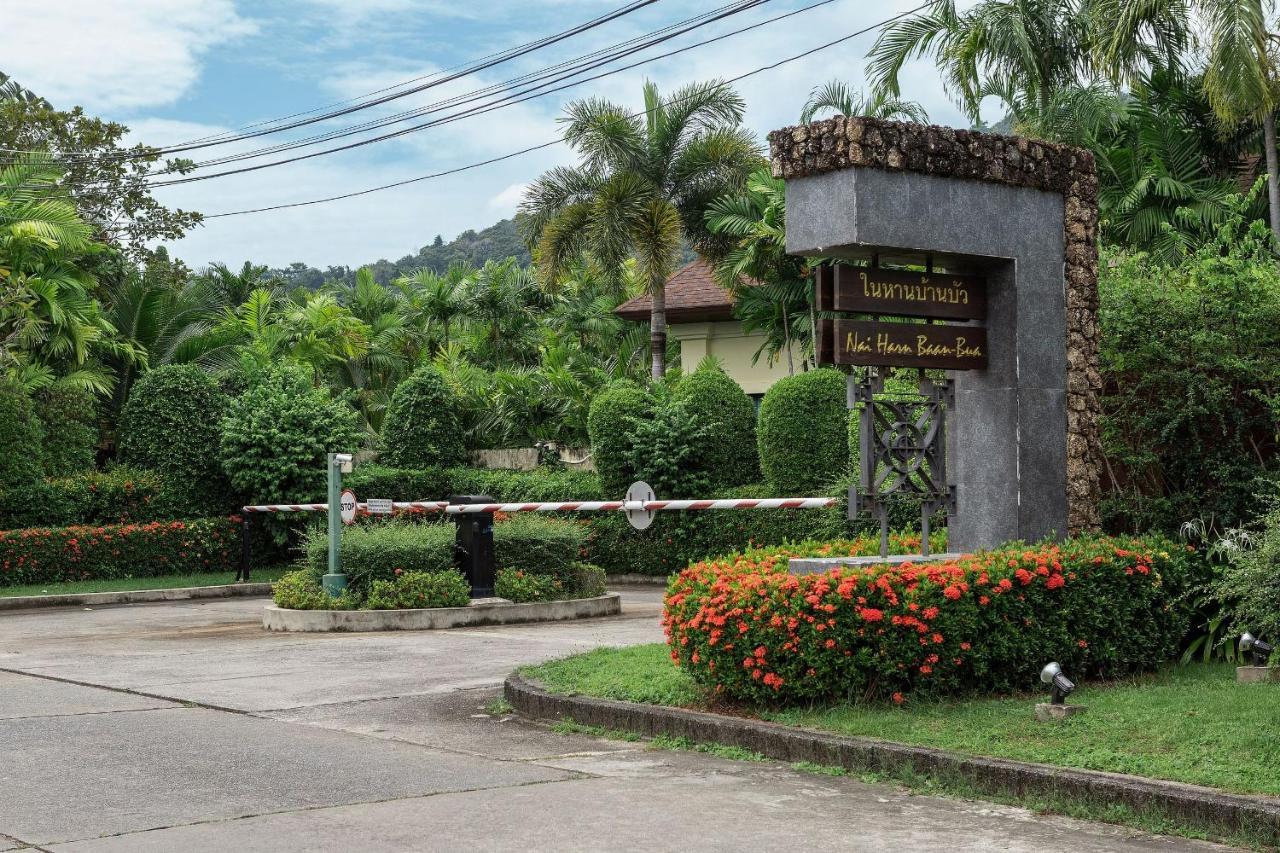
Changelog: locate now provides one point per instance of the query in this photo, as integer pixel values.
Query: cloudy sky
(177, 70)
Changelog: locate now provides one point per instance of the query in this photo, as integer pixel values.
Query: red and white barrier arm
(647, 506)
(410, 506)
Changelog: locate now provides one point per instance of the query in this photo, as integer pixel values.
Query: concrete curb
(136, 596)
(1206, 809)
(633, 579)
(486, 613)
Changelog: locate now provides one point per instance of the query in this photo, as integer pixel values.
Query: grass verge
(1186, 724)
(131, 584)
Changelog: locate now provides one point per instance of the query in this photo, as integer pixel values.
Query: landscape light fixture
(1059, 685)
(1256, 649)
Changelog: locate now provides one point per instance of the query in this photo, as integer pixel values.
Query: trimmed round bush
(172, 424)
(276, 435)
(69, 417)
(1103, 608)
(22, 486)
(711, 398)
(803, 432)
(422, 427)
(609, 425)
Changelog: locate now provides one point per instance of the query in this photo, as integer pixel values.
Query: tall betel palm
(843, 99)
(642, 188)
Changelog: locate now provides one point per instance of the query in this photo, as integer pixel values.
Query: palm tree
(436, 302)
(233, 288)
(641, 189)
(838, 96)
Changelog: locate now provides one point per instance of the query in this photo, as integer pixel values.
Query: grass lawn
(124, 584)
(1187, 724)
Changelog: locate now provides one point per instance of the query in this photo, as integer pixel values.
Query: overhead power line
(549, 143)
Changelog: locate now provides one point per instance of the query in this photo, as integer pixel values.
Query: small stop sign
(347, 505)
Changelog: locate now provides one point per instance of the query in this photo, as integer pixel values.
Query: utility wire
(552, 142)
(507, 100)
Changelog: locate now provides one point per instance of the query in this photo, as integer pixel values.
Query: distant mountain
(497, 242)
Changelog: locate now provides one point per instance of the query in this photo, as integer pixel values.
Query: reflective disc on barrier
(640, 519)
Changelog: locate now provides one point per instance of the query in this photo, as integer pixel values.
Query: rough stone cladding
(845, 143)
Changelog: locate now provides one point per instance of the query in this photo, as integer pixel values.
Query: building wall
(735, 348)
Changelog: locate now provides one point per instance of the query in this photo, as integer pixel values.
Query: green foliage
(1191, 400)
(276, 434)
(21, 473)
(588, 580)
(398, 484)
(803, 432)
(68, 415)
(715, 401)
(118, 496)
(541, 484)
(383, 551)
(301, 590)
(520, 586)
(1248, 589)
(670, 450)
(609, 423)
(421, 427)
(420, 589)
(539, 545)
(984, 623)
(172, 423)
(39, 555)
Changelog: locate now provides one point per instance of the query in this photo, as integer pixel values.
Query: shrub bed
(53, 554)
(118, 496)
(744, 627)
(420, 589)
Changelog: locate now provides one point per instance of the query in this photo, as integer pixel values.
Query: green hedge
(609, 423)
(69, 416)
(398, 484)
(420, 589)
(803, 431)
(379, 551)
(22, 488)
(56, 554)
(118, 496)
(422, 426)
(539, 544)
(712, 398)
(538, 485)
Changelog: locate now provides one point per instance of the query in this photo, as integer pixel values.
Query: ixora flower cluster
(53, 554)
(748, 629)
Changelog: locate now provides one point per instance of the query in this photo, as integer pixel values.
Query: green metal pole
(335, 581)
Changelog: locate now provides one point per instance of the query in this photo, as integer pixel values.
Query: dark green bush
(69, 417)
(422, 427)
(588, 580)
(609, 424)
(803, 432)
(22, 486)
(54, 554)
(381, 551)
(410, 590)
(712, 398)
(117, 496)
(398, 484)
(520, 586)
(301, 590)
(670, 450)
(539, 545)
(172, 423)
(541, 484)
(276, 435)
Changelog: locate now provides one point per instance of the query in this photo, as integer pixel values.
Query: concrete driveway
(186, 727)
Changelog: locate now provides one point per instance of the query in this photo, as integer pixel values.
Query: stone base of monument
(1047, 712)
(1258, 674)
(814, 565)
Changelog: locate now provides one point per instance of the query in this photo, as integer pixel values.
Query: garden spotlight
(1059, 685)
(1255, 648)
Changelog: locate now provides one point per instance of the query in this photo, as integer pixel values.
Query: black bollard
(473, 547)
(246, 533)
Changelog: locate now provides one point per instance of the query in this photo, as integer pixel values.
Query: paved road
(185, 726)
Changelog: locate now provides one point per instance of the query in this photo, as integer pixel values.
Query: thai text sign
(870, 342)
(872, 290)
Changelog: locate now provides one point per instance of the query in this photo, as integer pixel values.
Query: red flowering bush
(745, 627)
(52, 554)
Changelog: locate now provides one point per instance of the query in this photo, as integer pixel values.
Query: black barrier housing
(473, 545)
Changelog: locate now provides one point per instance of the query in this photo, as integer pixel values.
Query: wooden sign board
(872, 290)
(869, 342)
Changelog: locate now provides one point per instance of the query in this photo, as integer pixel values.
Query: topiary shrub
(539, 545)
(803, 432)
(711, 398)
(420, 589)
(172, 423)
(69, 418)
(609, 425)
(422, 427)
(1102, 607)
(22, 486)
(670, 450)
(276, 435)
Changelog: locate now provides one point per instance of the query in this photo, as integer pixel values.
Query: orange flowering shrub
(52, 554)
(745, 627)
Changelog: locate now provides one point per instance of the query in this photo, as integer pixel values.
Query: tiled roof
(692, 297)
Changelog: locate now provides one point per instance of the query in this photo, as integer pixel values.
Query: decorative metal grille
(902, 451)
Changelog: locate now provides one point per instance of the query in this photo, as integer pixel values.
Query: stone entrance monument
(1009, 221)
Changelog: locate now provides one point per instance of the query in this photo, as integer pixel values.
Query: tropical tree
(435, 303)
(231, 288)
(843, 99)
(642, 187)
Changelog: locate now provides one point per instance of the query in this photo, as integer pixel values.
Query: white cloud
(506, 201)
(114, 55)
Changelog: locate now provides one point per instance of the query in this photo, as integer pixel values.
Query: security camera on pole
(342, 510)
